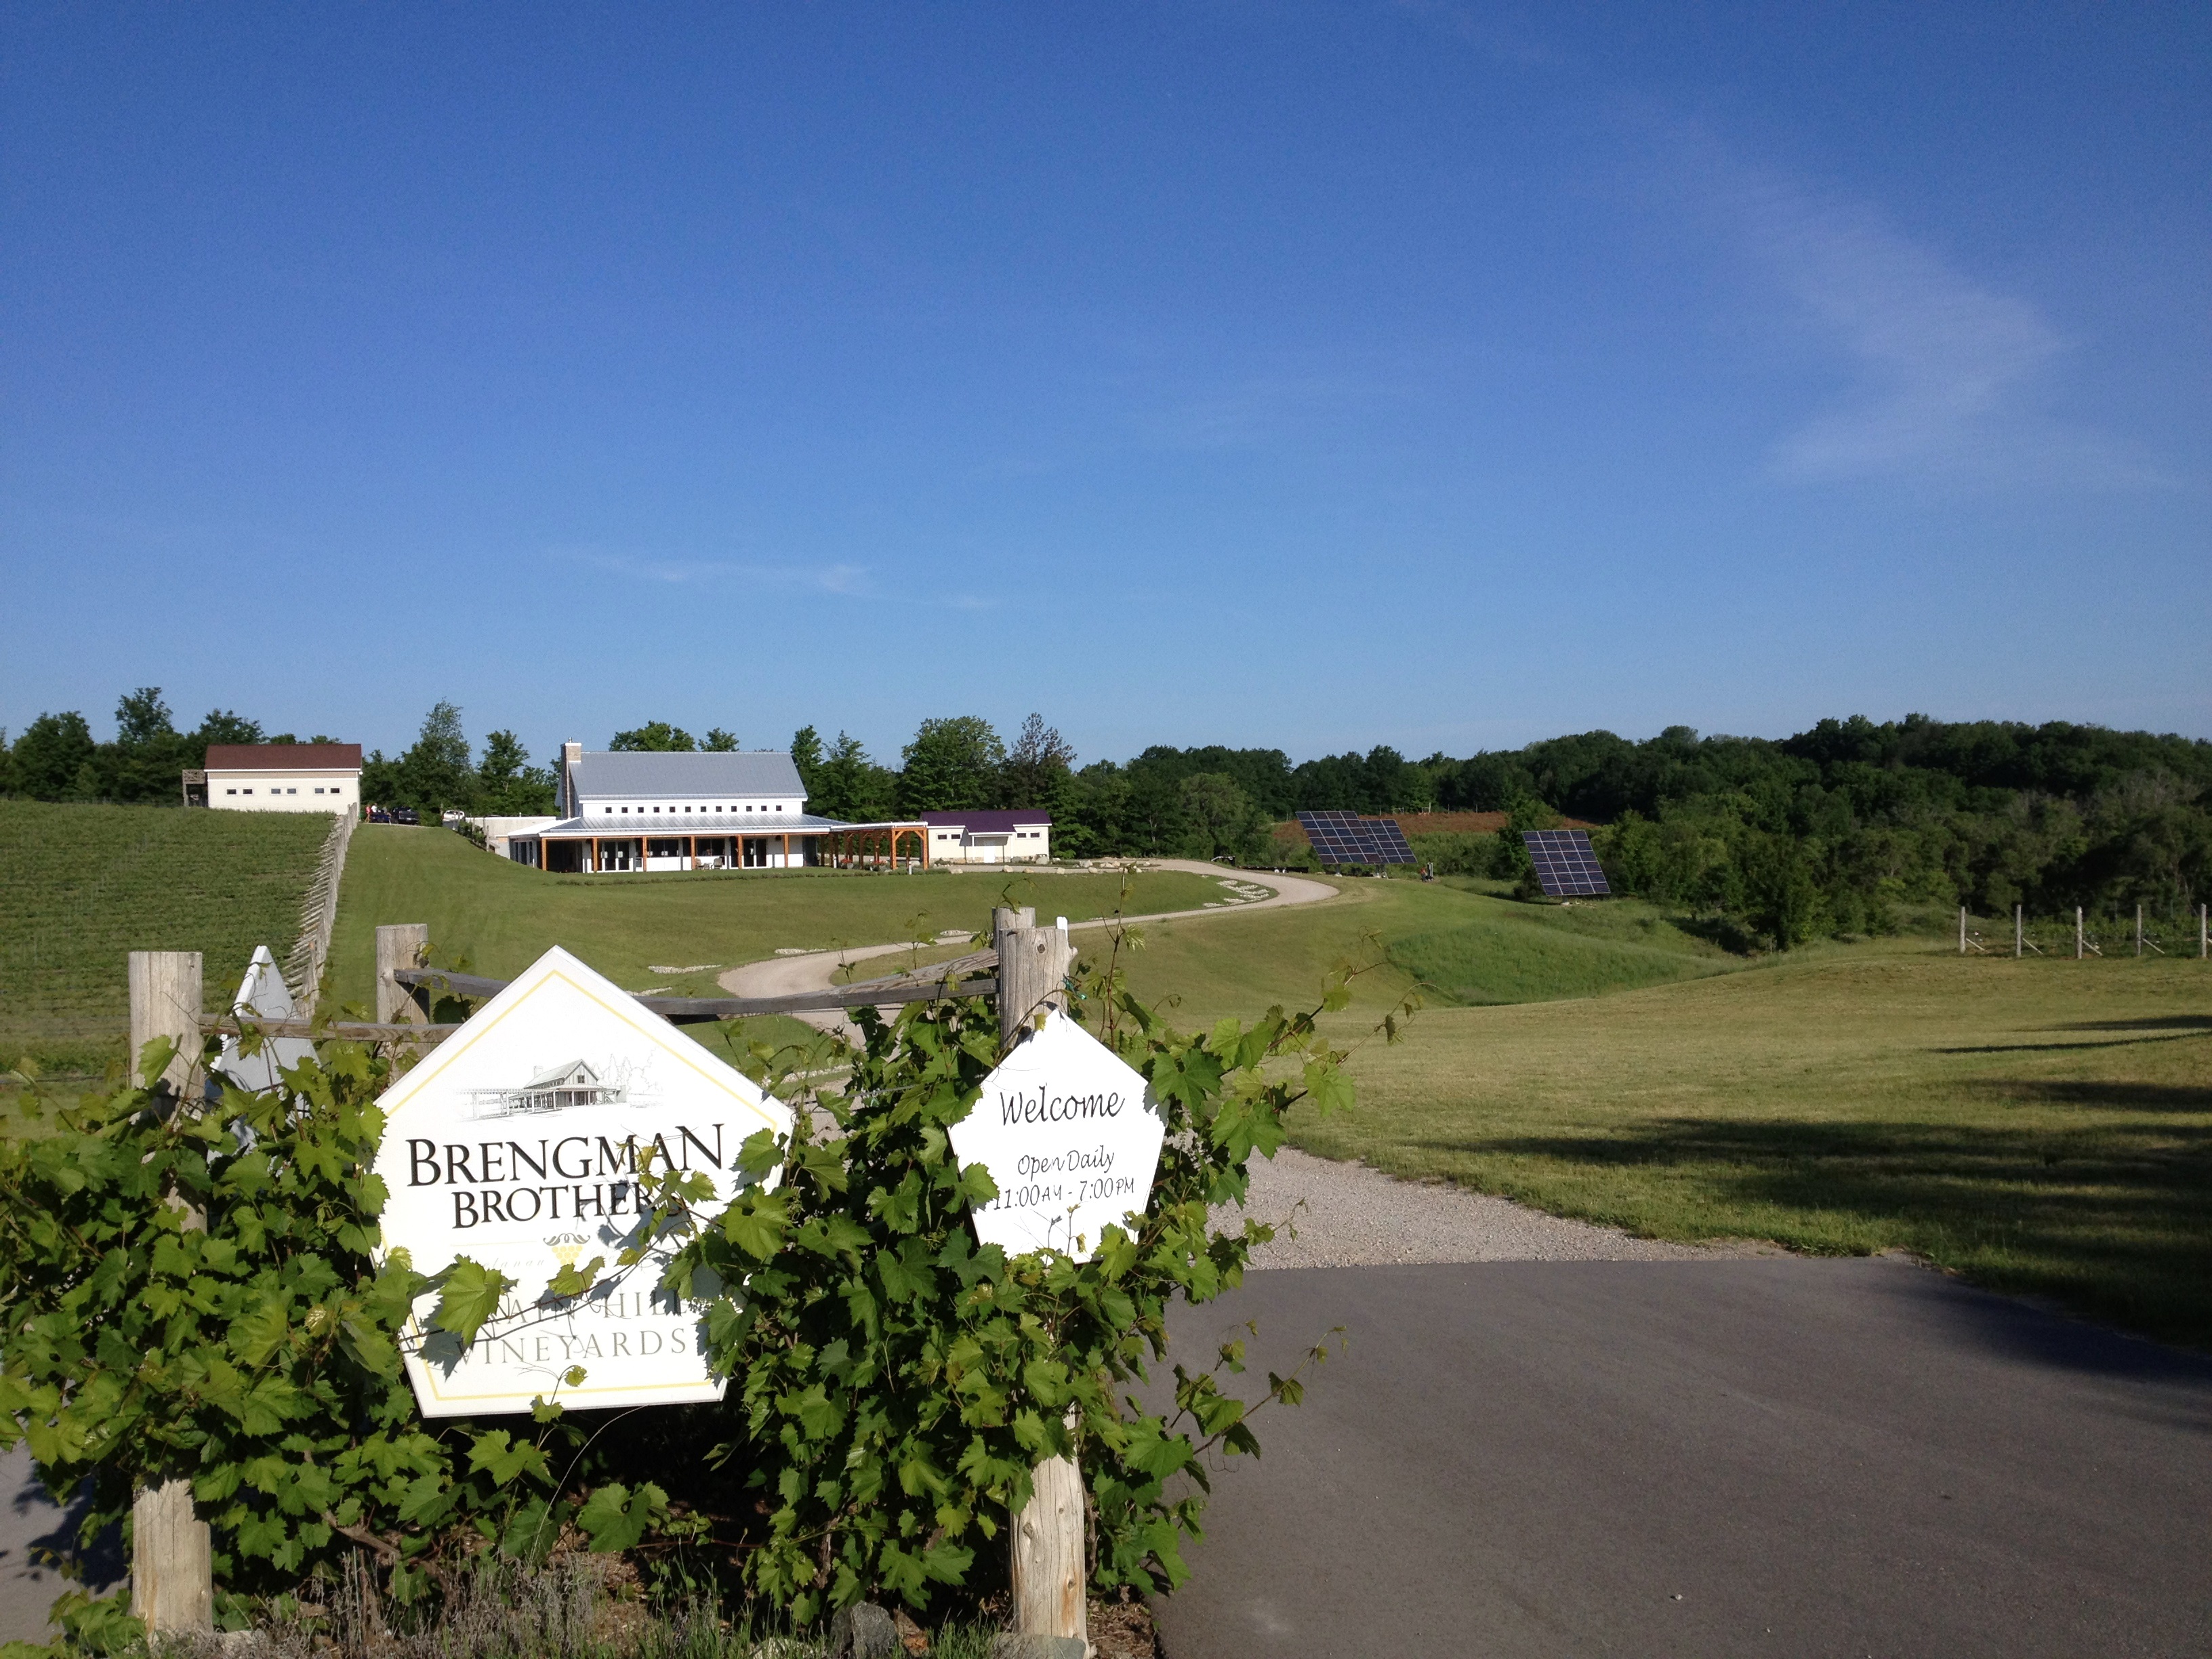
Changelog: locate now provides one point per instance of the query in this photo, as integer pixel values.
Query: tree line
(56, 757)
(1779, 840)
(1828, 831)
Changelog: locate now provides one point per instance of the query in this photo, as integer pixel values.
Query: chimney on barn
(565, 799)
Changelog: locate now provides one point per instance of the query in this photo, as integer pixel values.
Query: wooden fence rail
(937, 983)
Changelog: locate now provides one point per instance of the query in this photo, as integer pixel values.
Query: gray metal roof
(692, 823)
(606, 774)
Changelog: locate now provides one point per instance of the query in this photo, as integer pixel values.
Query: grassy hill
(637, 928)
(81, 886)
(1461, 940)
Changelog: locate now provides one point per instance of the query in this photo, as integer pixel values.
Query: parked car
(405, 815)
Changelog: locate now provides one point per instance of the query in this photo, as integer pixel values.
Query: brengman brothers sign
(517, 1144)
(1070, 1140)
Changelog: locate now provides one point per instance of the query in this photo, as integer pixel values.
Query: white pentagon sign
(516, 1144)
(1071, 1137)
(263, 994)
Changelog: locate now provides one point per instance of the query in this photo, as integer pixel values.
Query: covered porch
(604, 846)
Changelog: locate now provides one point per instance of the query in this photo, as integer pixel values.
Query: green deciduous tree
(952, 765)
(507, 783)
(653, 735)
(1091, 819)
(221, 726)
(51, 756)
(145, 760)
(1221, 817)
(719, 742)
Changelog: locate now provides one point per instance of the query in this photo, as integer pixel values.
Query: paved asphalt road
(31, 1522)
(1775, 1456)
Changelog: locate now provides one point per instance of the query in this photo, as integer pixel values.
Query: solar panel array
(1346, 838)
(1565, 865)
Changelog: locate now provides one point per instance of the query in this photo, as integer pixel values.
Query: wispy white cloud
(1948, 376)
(843, 579)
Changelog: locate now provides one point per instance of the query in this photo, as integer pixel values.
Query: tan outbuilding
(279, 777)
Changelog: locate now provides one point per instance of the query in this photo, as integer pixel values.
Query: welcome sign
(518, 1143)
(1070, 1138)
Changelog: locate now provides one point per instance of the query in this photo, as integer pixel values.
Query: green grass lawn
(499, 917)
(2043, 1126)
(81, 886)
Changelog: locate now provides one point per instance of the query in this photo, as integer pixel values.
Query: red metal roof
(283, 757)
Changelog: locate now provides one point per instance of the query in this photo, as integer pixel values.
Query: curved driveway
(817, 971)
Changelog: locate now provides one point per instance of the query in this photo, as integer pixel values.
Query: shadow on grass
(2115, 1096)
(2148, 1023)
(2062, 1048)
(2111, 1219)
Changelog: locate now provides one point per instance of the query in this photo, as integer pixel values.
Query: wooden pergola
(875, 846)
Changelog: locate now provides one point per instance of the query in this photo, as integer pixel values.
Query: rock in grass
(1010, 1646)
(864, 1630)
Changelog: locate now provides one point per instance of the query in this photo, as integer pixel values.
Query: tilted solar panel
(1335, 836)
(1389, 840)
(1566, 864)
(1345, 838)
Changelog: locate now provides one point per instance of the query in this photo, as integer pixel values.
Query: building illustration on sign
(1072, 1140)
(497, 1149)
(563, 1088)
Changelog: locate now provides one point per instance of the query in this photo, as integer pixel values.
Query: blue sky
(1311, 375)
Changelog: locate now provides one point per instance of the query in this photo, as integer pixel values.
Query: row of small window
(249, 790)
(1019, 835)
(687, 810)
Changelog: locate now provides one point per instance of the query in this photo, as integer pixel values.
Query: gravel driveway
(1346, 1215)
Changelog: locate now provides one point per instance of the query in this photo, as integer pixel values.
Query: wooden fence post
(1962, 930)
(1050, 1574)
(2138, 929)
(165, 1002)
(171, 1571)
(401, 946)
(2019, 928)
(2078, 932)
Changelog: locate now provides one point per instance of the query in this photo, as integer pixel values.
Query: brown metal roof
(283, 757)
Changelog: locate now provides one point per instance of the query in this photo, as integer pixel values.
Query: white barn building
(278, 777)
(696, 810)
